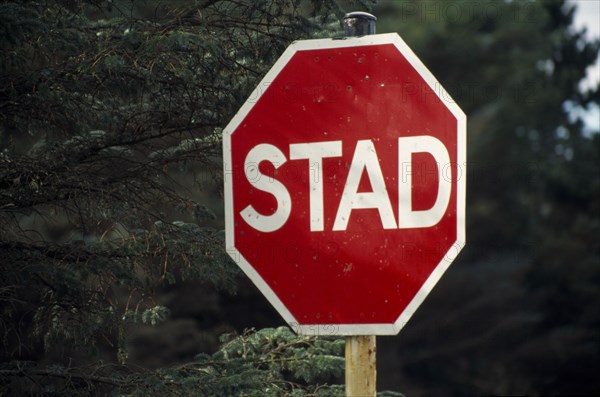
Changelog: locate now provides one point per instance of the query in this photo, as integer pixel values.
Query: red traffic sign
(345, 185)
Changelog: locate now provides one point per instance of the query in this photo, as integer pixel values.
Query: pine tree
(110, 125)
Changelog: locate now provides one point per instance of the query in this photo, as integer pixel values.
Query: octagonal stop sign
(345, 185)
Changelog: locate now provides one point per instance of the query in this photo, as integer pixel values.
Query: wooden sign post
(361, 372)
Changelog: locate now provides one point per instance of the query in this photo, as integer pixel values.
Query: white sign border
(347, 329)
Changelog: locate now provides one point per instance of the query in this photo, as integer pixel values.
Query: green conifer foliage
(110, 122)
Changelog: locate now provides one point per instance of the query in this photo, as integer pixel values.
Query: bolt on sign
(345, 185)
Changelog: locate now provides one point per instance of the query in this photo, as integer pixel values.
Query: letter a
(365, 158)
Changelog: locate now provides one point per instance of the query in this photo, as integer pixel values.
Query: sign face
(345, 185)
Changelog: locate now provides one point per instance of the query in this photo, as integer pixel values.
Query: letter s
(267, 223)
